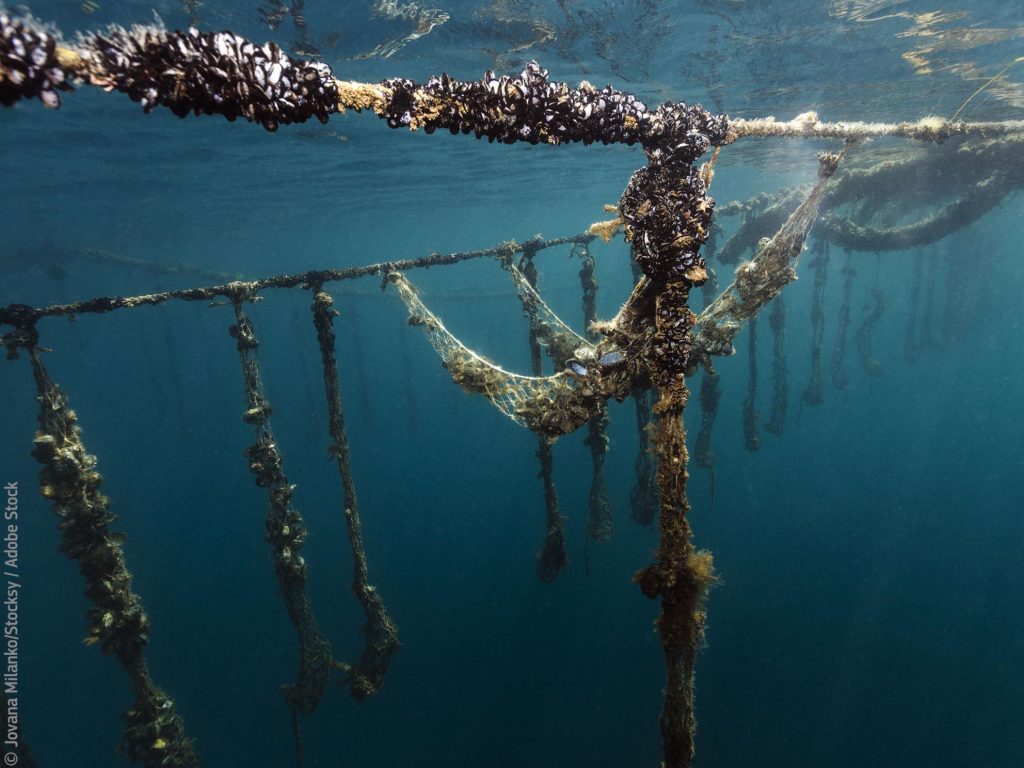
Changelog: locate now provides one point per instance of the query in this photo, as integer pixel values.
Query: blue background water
(870, 606)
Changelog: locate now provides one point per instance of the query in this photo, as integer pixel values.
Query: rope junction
(647, 350)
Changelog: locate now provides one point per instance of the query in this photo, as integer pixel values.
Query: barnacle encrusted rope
(154, 733)
(367, 675)
(286, 532)
(667, 215)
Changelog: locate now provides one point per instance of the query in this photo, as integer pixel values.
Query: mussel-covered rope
(865, 331)
(552, 557)
(600, 523)
(195, 72)
(367, 675)
(286, 530)
(643, 496)
(840, 379)
(751, 438)
(780, 370)
(710, 395)
(813, 392)
(154, 732)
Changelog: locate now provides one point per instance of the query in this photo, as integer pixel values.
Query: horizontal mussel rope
(21, 315)
(223, 73)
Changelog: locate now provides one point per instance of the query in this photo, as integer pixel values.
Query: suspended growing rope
(552, 557)
(286, 531)
(367, 675)
(643, 496)
(710, 396)
(751, 438)
(600, 524)
(780, 371)
(154, 733)
(865, 347)
(19, 315)
(840, 379)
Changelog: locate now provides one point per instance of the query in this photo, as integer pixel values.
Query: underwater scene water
(868, 610)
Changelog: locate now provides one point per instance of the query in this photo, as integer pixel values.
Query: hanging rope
(643, 496)
(751, 439)
(154, 733)
(872, 367)
(812, 394)
(600, 524)
(286, 532)
(780, 372)
(367, 675)
(839, 376)
(910, 346)
(552, 557)
(710, 395)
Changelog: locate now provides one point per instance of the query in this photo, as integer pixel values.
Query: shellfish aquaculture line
(653, 344)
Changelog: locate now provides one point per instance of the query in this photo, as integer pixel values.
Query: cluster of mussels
(534, 109)
(665, 207)
(671, 342)
(70, 479)
(212, 73)
(28, 64)
(154, 733)
(510, 109)
(667, 214)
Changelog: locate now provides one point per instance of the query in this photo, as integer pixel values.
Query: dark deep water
(869, 612)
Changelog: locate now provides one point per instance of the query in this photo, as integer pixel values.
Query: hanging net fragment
(548, 405)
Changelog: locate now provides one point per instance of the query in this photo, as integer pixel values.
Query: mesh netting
(513, 394)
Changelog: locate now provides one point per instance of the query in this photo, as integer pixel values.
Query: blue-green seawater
(869, 610)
